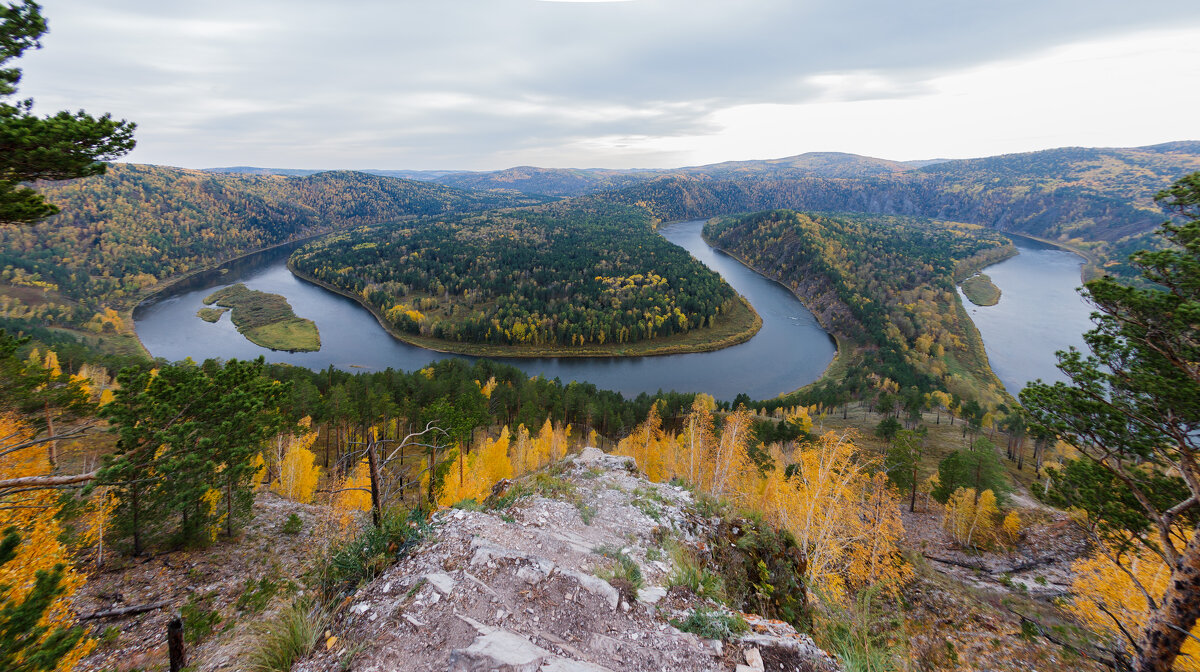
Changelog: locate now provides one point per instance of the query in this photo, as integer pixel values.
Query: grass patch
(691, 573)
(266, 319)
(860, 635)
(257, 595)
(712, 623)
(286, 638)
(980, 289)
(211, 314)
(624, 574)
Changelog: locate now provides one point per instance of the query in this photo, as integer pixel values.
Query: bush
(286, 638)
(292, 525)
(863, 639)
(712, 623)
(370, 552)
(762, 570)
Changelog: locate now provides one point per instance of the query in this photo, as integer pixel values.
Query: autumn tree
(1132, 409)
(62, 146)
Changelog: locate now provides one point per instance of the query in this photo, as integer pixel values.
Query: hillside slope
(137, 226)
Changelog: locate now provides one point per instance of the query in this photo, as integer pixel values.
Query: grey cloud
(464, 83)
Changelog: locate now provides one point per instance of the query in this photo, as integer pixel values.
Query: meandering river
(789, 351)
(1038, 314)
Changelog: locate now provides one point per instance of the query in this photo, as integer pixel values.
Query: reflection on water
(789, 351)
(1038, 314)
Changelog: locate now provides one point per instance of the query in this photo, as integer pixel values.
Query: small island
(980, 290)
(211, 314)
(264, 319)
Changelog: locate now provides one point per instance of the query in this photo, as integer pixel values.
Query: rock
(595, 586)
(754, 658)
(651, 594)
(441, 582)
(590, 455)
(502, 651)
(564, 665)
(360, 607)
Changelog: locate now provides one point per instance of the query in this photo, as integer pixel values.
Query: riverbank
(739, 326)
(1092, 265)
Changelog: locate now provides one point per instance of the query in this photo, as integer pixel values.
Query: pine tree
(58, 147)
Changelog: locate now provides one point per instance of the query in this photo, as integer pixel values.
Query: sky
(489, 84)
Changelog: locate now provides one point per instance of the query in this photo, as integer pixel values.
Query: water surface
(789, 351)
(1038, 314)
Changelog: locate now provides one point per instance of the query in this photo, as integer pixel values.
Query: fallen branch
(124, 611)
(45, 481)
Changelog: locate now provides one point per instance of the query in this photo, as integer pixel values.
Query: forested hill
(563, 278)
(1099, 199)
(138, 225)
(885, 286)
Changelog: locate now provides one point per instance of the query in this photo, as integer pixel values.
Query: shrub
(286, 638)
(712, 623)
(292, 525)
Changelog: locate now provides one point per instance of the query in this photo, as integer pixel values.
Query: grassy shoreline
(738, 327)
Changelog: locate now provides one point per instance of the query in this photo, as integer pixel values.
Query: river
(789, 351)
(1038, 314)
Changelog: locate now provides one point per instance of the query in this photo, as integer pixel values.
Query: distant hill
(126, 231)
(1100, 199)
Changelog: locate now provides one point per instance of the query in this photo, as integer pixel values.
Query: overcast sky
(486, 84)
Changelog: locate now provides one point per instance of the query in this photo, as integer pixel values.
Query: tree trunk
(373, 465)
(1169, 625)
(175, 648)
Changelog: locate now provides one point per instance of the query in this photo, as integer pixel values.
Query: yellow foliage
(971, 519)
(1104, 591)
(211, 500)
(40, 548)
(476, 473)
(298, 472)
(1011, 527)
(845, 521)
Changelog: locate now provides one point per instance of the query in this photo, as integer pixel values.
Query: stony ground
(517, 589)
(212, 584)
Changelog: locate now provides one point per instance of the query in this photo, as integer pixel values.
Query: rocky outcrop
(517, 589)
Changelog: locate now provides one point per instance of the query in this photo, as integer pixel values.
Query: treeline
(886, 285)
(136, 226)
(560, 274)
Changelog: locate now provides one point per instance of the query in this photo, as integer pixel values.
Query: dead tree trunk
(175, 647)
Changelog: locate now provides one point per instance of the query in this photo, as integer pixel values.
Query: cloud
(476, 83)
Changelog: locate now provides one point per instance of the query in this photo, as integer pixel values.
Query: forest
(556, 275)
(885, 286)
(122, 234)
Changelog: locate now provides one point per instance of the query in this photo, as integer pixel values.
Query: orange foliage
(40, 548)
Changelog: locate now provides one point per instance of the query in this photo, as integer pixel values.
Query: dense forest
(884, 285)
(561, 274)
(123, 233)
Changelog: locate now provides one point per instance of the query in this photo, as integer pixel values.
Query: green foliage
(375, 548)
(712, 623)
(198, 620)
(256, 595)
(292, 525)
(25, 644)
(63, 146)
(761, 569)
(553, 275)
(690, 572)
(287, 638)
(186, 437)
(860, 635)
(903, 460)
(977, 468)
(624, 574)
(30, 390)
(109, 637)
